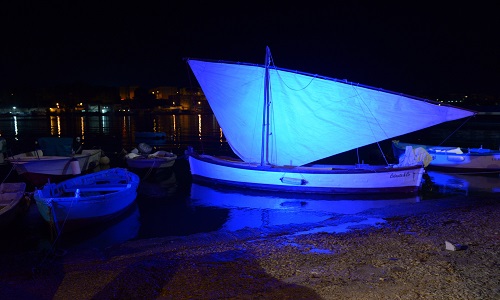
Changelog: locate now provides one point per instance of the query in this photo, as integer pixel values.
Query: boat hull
(450, 159)
(102, 195)
(12, 201)
(150, 163)
(315, 179)
(38, 170)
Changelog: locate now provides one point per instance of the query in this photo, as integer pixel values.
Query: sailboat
(279, 122)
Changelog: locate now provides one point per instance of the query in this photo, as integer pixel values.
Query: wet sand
(404, 258)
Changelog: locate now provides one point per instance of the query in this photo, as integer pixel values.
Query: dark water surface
(170, 205)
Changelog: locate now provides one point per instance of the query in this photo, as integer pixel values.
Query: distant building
(164, 92)
(128, 92)
(181, 99)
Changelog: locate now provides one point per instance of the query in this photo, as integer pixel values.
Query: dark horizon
(416, 50)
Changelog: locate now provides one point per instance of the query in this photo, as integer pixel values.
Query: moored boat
(456, 159)
(156, 160)
(86, 199)
(13, 200)
(150, 165)
(55, 161)
(279, 122)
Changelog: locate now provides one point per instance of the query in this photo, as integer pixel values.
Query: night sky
(415, 47)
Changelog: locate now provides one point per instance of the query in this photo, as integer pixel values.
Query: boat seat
(96, 188)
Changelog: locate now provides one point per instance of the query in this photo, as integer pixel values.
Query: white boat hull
(37, 169)
(317, 179)
(100, 196)
(50, 165)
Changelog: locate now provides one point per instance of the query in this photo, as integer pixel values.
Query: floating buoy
(75, 166)
(104, 160)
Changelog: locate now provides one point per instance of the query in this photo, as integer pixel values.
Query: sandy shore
(404, 258)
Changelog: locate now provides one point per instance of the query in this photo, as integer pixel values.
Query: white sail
(311, 117)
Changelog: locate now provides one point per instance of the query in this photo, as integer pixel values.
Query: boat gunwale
(348, 169)
(22, 159)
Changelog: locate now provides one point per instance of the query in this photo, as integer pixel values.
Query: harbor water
(170, 205)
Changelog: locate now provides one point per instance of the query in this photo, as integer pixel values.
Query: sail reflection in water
(259, 210)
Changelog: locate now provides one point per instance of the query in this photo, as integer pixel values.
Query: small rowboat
(13, 200)
(87, 199)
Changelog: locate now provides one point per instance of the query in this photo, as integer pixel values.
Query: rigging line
(281, 79)
(271, 110)
(376, 120)
(465, 121)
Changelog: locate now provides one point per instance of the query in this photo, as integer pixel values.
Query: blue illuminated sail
(310, 117)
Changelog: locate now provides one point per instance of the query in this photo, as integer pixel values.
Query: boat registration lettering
(398, 175)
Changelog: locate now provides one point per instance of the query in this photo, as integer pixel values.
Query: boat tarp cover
(56, 146)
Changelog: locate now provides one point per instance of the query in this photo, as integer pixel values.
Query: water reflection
(465, 184)
(256, 210)
(261, 210)
(116, 231)
(55, 125)
(199, 131)
(16, 130)
(162, 210)
(164, 217)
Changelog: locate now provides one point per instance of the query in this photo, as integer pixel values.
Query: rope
(150, 170)
(58, 231)
(8, 174)
(465, 121)
(371, 129)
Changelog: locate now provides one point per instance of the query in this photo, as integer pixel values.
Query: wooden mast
(265, 117)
